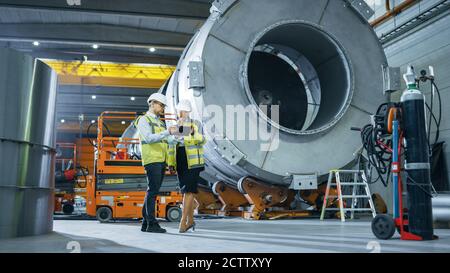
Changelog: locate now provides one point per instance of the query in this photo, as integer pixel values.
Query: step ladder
(348, 180)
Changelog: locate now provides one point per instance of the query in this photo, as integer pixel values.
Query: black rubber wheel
(383, 226)
(104, 214)
(173, 214)
(68, 209)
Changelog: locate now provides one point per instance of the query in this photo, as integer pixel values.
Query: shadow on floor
(57, 242)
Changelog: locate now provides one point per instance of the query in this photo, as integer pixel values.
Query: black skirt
(188, 178)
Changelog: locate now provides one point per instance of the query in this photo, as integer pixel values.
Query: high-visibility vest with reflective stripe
(194, 148)
(153, 152)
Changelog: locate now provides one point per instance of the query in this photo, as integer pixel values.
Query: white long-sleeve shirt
(145, 130)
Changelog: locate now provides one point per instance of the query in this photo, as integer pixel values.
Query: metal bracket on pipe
(362, 8)
(221, 6)
(391, 79)
(417, 166)
(31, 144)
(304, 182)
(196, 76)
(22, 188)
(229, 151)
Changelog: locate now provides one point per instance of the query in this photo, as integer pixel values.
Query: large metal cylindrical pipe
(27, 139)
(441, 207)
(319, 62)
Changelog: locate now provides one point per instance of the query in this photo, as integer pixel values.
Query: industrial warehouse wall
(429, 44)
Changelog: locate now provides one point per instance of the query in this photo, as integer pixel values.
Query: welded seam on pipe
(226, 43)
(323, 12)
(360, 109)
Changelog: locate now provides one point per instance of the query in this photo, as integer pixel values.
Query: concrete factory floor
(221, 235)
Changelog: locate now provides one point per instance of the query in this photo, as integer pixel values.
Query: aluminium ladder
(352, 184)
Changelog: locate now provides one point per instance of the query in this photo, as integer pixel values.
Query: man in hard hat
(187, 155)
(153, 137)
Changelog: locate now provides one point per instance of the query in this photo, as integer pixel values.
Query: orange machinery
(117, 188)
(68, 184)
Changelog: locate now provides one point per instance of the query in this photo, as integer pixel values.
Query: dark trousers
(155, 176)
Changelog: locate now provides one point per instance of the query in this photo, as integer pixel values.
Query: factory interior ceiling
(140, 40)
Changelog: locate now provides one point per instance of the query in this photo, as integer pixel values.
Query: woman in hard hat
(186, 155)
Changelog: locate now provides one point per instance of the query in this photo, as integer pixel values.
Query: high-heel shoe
(182, 230)
(191, 226)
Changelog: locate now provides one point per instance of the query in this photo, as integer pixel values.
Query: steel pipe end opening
(285, 66)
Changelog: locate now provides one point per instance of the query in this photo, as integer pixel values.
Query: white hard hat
(157, 97)
(184, 105)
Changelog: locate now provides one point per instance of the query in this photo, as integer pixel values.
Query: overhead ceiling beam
(66, 110)
(101, 34)
(71, 112)
(110, 82)
(182, 9)
(110, 74)
(98, 55)
(101, 69)
(104, 100)
(66, 90)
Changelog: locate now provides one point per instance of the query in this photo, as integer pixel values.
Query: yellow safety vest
(194, 148)
(153, 152)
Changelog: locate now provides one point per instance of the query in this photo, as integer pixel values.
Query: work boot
(190, 200)
(183, 221)
(155, 228)
(144, 225)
